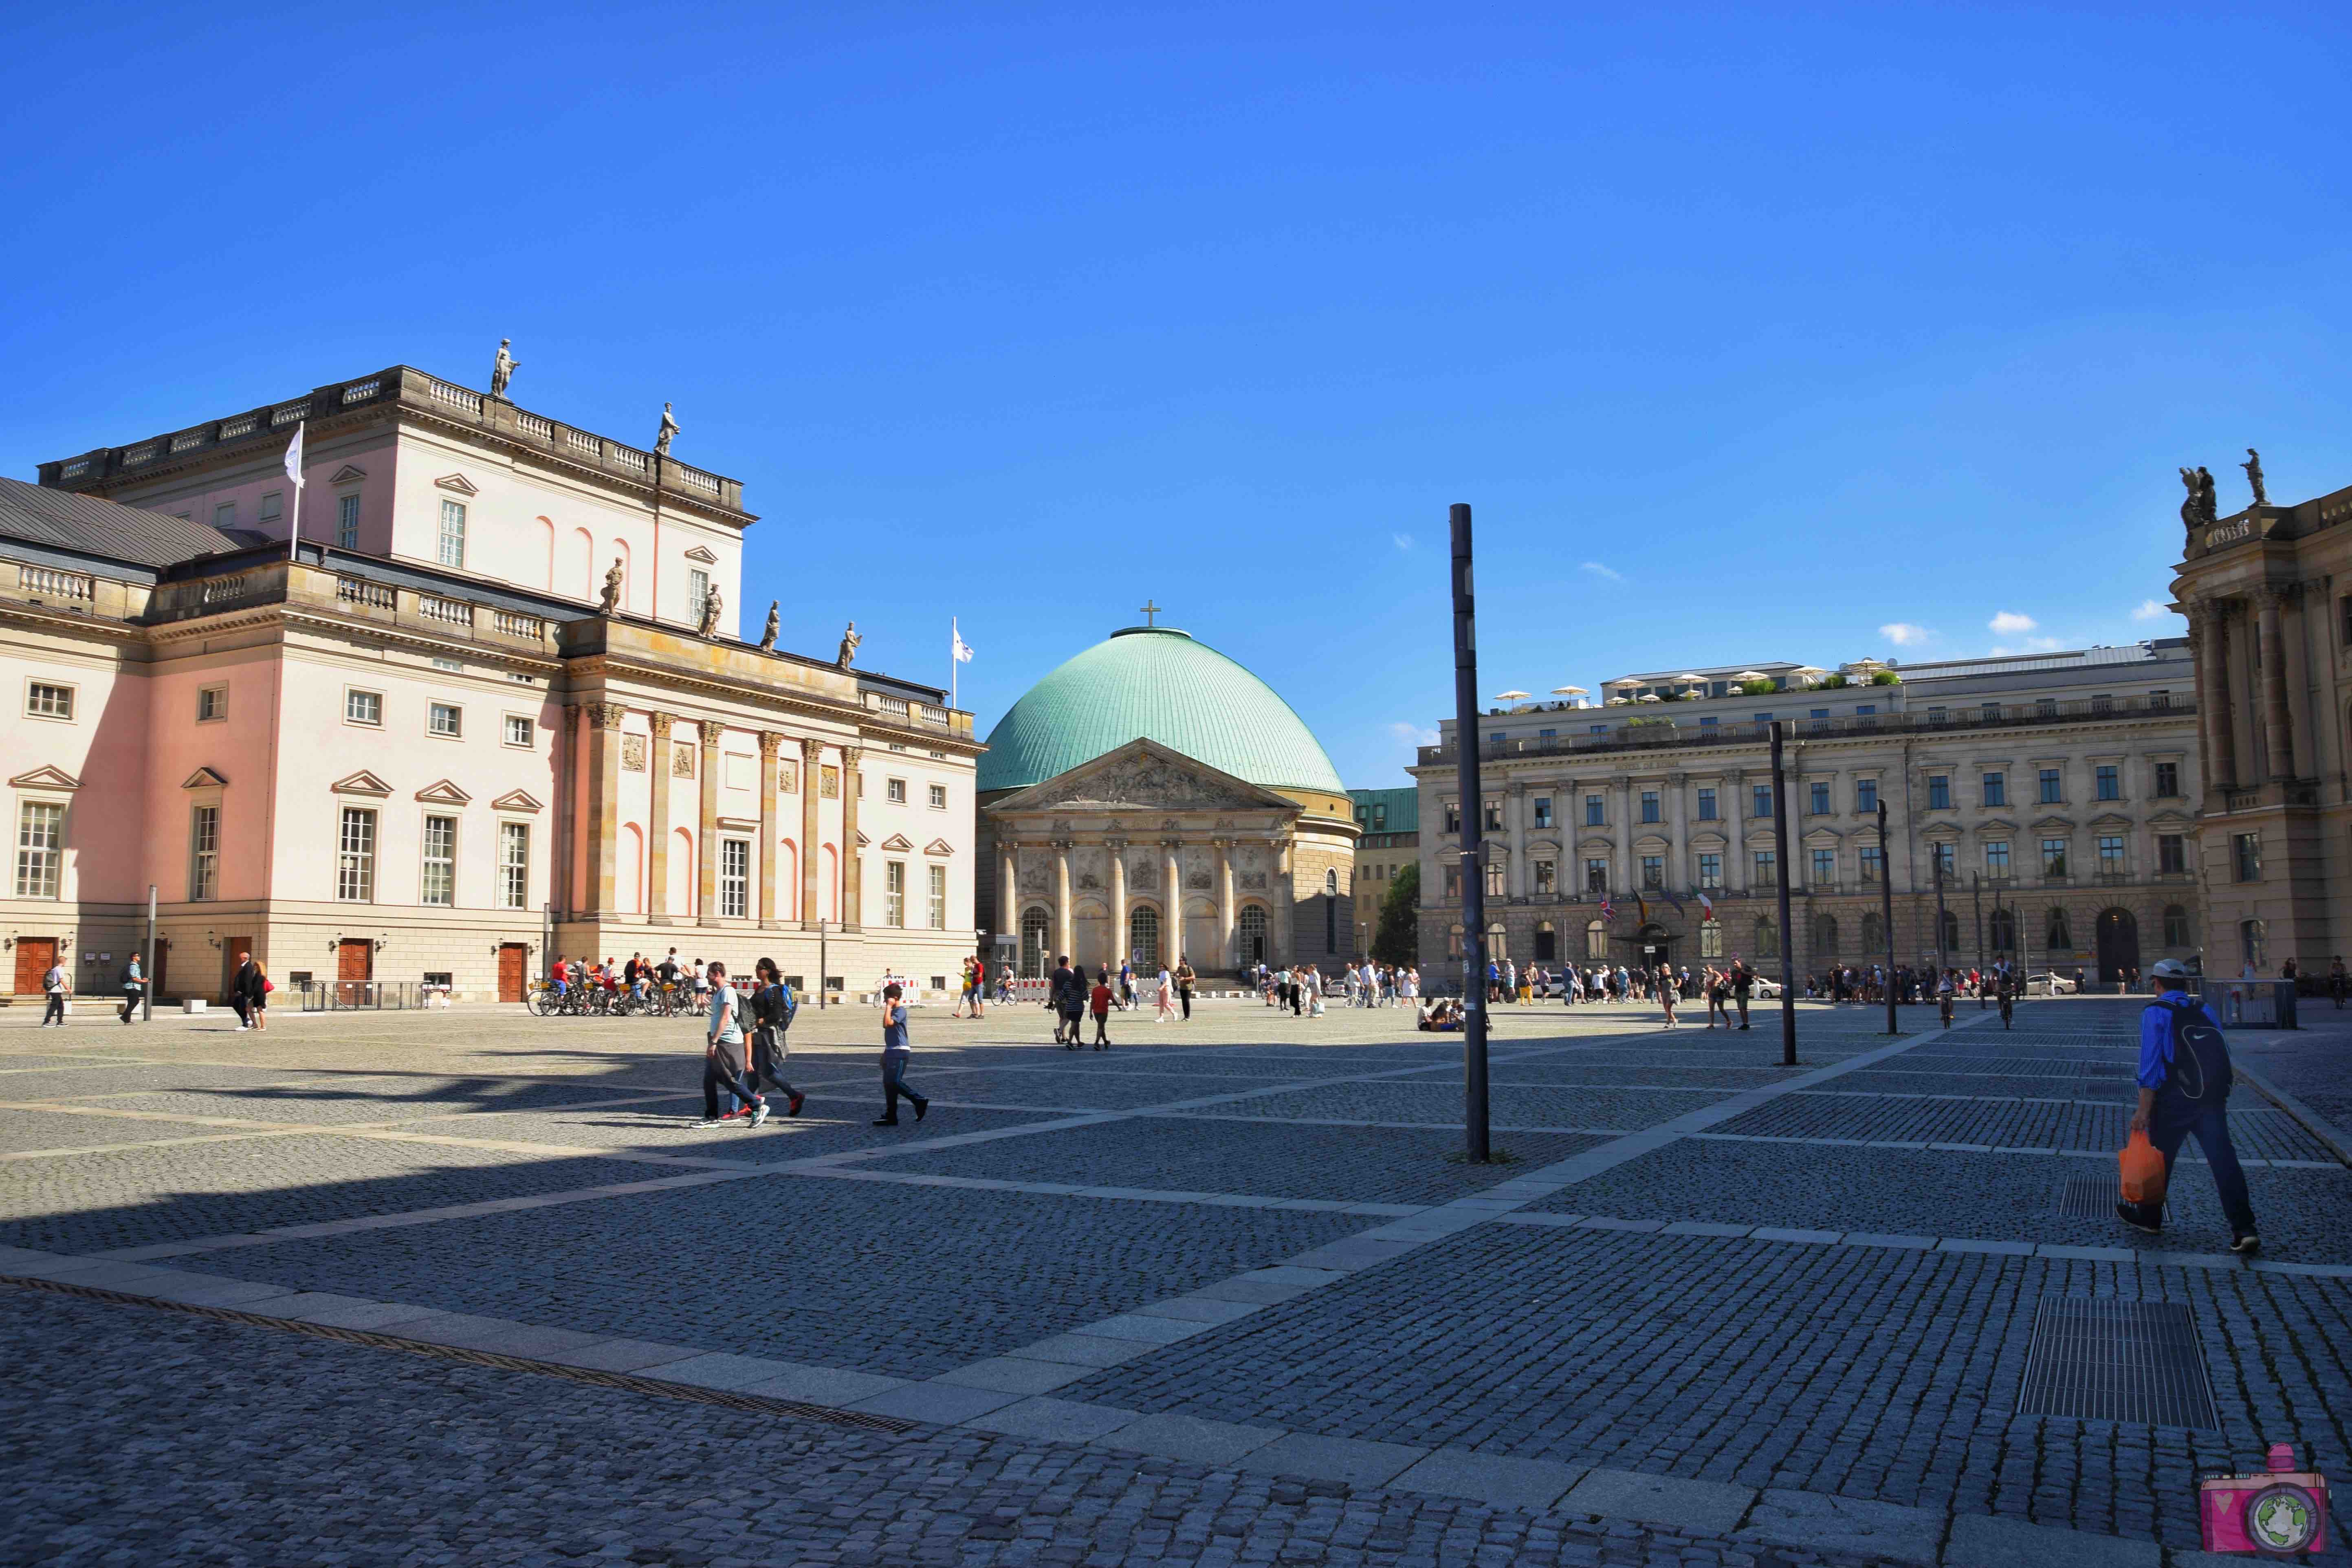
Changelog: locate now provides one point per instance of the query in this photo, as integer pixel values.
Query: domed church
(1152, 798)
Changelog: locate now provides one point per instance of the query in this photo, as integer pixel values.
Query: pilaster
(853, 864)
(604, 804)
(812, 758)
(770, 743)
(706, 839)
(658, 759)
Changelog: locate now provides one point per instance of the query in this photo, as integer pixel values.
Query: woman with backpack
(2184, 1089)
(774, 1007)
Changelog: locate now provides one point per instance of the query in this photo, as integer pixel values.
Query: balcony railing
(52, 584)
(1659, 732)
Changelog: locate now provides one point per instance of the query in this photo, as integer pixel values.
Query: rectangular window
(894, 791)
(2104, 702)
(1496, 872)
(273, 505)
(44, 699)
(1547, 878)
(1453, 880)
(1649, 805)
(2168, 780)
(2111, 854)
(1596, 875)
(2045, 707)
(1654, 872)
(1491, 814)
(224, 515)
(2245, 854)
(698, 594)
(1709, 723)
(1866, 797)
(452, 550)
(1452, 816)
(1706, 803)
(938, 797)
(2053, 857)
(1995, 789)
(1817, 799)
(735, 878)
(936, 880)
(1595, 810)
(1872, 858)
(356, 857)
(2110, 784)
(203, 852)
(1543, 811)
(440, 861)
(1939, 792)
(894, 892)
(1824, 867)
(212, 702)
(2160, 700)
(2172, 856)
(1866, 710)
(1760, 797)
(1939, 860)
(514, 865)
(1997, 862)
(40, 849)
(1767, 869)
(347, 523)
(1599, 729)
(363, 707)
(447, 719)
(1763, 719)
(1710, 871)
(2051, 794)
(519, 731)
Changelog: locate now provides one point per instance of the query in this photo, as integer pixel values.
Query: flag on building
(1642, 906)
(1706, 906)
(962, 648)
(294, 472)
(1607, 911)
(1677, 903)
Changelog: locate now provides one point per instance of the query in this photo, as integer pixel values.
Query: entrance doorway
(512, 966)
(34, 954)
(2119, 943)
(1033, 945)
(1653, 942)
(354, 967)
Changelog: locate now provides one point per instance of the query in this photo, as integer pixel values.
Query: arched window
(1873, 934)
(1951, 928)
(1331, 884)
(1546, 943)
(1825, 935)
(1143, 936)
(2057, 936)
(2001, 924)
(1768, 938)
(1249, 935)
(1498, 944)
(1710, 938)
(1033, 944)
(2176, 926)
(1596, 941)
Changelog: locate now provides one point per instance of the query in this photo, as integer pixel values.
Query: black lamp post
(1474, 825)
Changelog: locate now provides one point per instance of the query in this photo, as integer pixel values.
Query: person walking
(134, 987)
(2184, 1088)
(1101, 998)
(242, 986)
(1743, 979)
(896, 1052)
(56, 984)
(774, 1007)
(1066, 995)
(257, 1000)
(1167, 998)
(1125, 984)
(722, 1053)
(1185, 980)
(1667, 993)
(2337, 983)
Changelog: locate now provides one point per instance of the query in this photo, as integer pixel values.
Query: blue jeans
(2175, 1121)
(894, 1083)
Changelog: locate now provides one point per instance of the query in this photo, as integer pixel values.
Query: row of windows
(355, 859)
(2112, 850)
(2001, 931)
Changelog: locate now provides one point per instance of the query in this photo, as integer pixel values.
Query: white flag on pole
(294, 472)
(962, 648)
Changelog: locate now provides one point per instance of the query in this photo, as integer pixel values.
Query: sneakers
(891, 1120)
(706, 1121)
(2129, 1215)
(242, 1027)
(2247, 1243)
(792, 1107)
(760, 1111)
(730, 1115)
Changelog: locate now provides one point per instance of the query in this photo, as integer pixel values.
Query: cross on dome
(1150, 610)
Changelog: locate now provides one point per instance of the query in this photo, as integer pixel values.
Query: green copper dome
(1155, 683)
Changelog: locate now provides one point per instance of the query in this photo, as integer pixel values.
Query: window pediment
(361, 783)
(701, 553)
(204, 778)
(460, 483)
(441, 791)
(349, 474)
(938, 847)
(898, 843)
(46, 777)
(517, 800)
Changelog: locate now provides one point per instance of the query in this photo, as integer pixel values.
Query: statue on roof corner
(712, 603)
(849, 641)
(668, 429)
(2254, 466)
(768, 638)
(502, 368)
(611, 596)
(2198, 509)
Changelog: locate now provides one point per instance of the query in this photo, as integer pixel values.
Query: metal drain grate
(2088, 1197)
(2103, 1360)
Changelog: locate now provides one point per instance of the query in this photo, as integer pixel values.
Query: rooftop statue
(768, 638)
(612, 594)
(502, 368)
(849, 641)
(2254, 466)
(668, 429)
(712, 602)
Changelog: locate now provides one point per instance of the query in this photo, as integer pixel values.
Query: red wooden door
(354, 964)
(34, 956)
(511, 970)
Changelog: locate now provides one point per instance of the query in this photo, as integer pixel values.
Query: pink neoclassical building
(496, 698)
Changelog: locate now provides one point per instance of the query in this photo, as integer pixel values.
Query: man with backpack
(57, 982)
(2184, 1089)
(774, 1007)
(722, 1055)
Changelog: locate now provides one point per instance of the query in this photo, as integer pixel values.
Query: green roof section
(1388, 810)
(1155, 683)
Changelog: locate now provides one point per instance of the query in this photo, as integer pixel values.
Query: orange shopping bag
(2143, 1171)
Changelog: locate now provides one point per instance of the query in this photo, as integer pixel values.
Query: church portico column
(1226, 957)
(1063, 927)
(604, 804)
(657, 828)
(1286, 900)
(1008, 889)
(853, 864)
(1117, 848)
(769, 744)
(811, 759)
(706, 844)
(1171, 906)
(2278, 731)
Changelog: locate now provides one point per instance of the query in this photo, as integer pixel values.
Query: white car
(2049, 984)
(1764, 990)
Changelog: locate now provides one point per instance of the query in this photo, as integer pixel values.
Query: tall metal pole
(1976, 915)
(1788, 937)
(1887, 916)
(821, 966)
(1943, 952)
(147, 1003)
(1474, 825)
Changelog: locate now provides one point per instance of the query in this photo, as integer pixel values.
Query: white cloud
(1413, 734)
(2151, 610)
(1902, 634)
(1598, 570)
(2009, 623)
(2030, 644)
(1403, 541)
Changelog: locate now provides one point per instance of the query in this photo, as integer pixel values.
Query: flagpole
(955, 642)
(294, 472)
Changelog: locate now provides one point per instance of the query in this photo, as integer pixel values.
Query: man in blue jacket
(2184, 1089)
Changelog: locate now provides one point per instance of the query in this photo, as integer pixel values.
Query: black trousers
(767, 1057)
(57, 1008)
(132, 996)
(1187, 995)
(721, 1068)
(1102, 1030)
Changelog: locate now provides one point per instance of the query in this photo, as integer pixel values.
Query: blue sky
(1747, 333)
